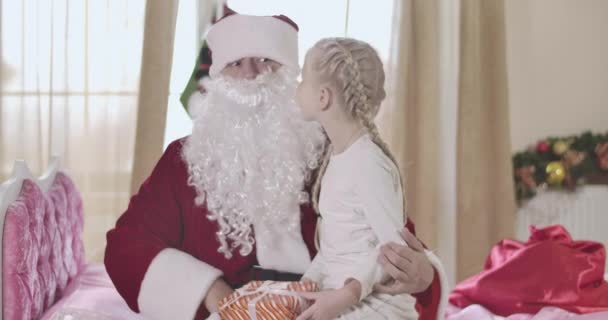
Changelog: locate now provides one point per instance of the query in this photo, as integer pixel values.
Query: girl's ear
(326, 98)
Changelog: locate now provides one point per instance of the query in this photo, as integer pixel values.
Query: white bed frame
(10, 190)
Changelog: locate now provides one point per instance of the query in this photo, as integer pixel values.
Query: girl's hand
(328, 304)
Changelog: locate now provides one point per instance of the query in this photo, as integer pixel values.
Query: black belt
(257, 273)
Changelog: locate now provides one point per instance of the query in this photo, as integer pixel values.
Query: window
(70, 81)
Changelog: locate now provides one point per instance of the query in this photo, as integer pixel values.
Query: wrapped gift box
(266, 300)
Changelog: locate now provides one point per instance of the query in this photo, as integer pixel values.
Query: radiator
(584, 213)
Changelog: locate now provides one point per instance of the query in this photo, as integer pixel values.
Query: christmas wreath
(561, 163)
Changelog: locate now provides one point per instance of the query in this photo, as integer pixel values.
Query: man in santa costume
(229, 203)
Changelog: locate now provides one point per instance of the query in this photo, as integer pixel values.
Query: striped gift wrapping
(584, 213)
(266, 300)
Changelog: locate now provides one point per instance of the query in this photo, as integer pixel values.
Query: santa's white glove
(328, 304)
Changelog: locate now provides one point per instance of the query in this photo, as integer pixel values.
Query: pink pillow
(42, 248)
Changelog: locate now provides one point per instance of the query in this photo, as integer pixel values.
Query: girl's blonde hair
(354, 68)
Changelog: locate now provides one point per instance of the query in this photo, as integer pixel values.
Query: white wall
(558, 68)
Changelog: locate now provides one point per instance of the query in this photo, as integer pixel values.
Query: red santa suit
(162, 254)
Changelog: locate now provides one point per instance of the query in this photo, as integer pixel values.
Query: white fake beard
(250, 155)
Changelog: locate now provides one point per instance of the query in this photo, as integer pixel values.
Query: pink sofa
(44, 273)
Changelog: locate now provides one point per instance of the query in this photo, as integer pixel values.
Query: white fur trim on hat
(238, 36)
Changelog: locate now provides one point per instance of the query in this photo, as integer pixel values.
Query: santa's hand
(409, 267)
(328, 304)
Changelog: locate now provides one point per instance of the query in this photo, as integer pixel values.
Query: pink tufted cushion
(42, 248)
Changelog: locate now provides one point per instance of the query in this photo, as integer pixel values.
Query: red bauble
(542, 147)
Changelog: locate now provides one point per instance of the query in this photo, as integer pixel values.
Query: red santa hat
(237, 36)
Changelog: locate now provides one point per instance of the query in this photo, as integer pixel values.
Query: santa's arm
(142, 259)
(428, 300)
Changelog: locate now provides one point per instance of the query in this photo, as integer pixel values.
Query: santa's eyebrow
(235, 61)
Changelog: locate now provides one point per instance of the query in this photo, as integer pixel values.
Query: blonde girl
(358, 193)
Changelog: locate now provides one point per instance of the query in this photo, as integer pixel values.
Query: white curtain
(446, 118)
(70, 76)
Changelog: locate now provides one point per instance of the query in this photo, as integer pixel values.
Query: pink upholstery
(42, 248)
(91, 296)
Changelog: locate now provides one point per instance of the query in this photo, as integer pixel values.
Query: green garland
(200, 70)
(561, 163)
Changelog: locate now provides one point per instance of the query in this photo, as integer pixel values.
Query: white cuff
(443, 282)
(175, 285)
(367, 287)
(314, 270)
(367, 274)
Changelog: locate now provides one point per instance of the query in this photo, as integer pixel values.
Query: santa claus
(229, 203)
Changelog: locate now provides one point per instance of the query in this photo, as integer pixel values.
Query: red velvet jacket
(163, 215)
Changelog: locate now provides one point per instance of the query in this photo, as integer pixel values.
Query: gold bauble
(560, 147)
(556, 173)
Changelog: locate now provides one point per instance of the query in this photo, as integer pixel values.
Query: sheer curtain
(159, 35)
(70, 80)
(485, 192)
(447, 120)
(409, 119)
